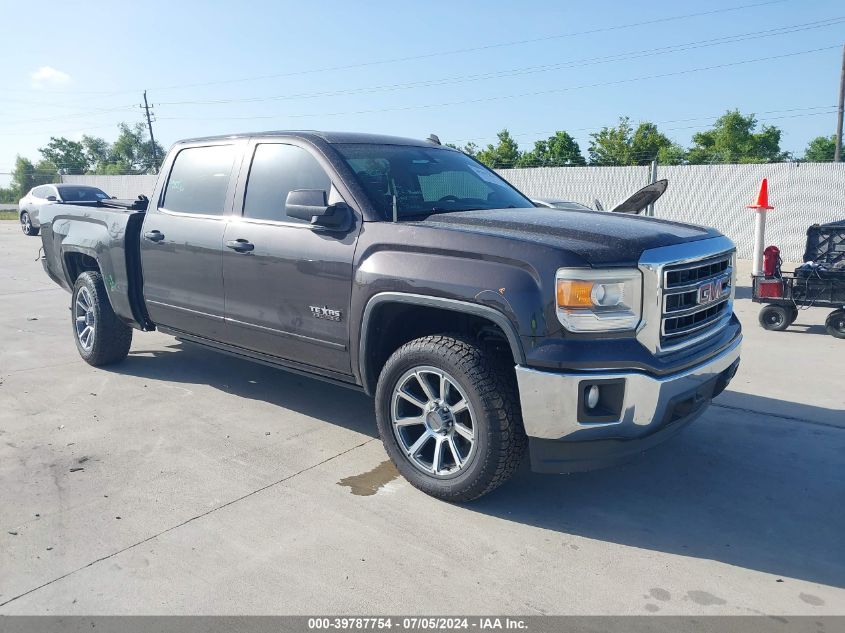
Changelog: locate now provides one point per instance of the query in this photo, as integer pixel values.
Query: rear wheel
(449, 416)
(776, 318)
(26, 224)
(100, 336)
(835, 323)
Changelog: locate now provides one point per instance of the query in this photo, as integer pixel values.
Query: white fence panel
(127, 187)
(712, 195)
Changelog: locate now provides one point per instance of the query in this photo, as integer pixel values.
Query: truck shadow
(738, 487)
(178, 363)
(743, 488)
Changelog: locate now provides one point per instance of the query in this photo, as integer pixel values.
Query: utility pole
(652, 178)
(150, 126)
(837, 152)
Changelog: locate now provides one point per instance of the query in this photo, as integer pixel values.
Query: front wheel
(26, 225)
(835, 323)
(449, 416)
(100, 336)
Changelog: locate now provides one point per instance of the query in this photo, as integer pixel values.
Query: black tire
(775, 318)
(489, 385)
(26, 225)
(792, 313)
(835, 323)
(109, 339)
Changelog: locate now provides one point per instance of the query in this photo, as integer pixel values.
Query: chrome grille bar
(672, 276)
(684, 311)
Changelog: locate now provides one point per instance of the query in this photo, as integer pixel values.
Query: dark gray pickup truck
(481, 324)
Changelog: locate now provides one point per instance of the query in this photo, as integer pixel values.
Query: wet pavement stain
(368, 483)
(811, 599)
(660, 594)
(705, 599)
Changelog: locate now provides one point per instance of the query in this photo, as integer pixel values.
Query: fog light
(592, 397)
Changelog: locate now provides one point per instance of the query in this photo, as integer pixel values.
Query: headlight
(598, 300)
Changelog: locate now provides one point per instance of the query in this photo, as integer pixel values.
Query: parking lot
(182, 481)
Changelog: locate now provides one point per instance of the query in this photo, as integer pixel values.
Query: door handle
(154, 236)
(240, 245)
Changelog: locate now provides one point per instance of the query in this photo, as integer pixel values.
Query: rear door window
(199, 180)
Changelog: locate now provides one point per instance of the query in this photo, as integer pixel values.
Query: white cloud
(49, 77)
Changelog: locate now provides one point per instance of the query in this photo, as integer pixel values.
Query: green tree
(612, 145)
(25, 175)
(504, 154)
(624, 145)
(734, 139)
(471, 149)
(648, 144)
(132, 152)
(97, 151)
(672, 154)
(559, 150)
(821, 149)
(68, 156)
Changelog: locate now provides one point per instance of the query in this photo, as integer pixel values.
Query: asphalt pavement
(186, 482)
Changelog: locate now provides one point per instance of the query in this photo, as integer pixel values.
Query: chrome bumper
(553, 408)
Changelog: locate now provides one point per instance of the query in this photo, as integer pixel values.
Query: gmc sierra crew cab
(482, 325)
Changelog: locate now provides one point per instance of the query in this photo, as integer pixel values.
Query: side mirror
(312, 206)
(52, 199)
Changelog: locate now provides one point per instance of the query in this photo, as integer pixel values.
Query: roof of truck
(327, 137)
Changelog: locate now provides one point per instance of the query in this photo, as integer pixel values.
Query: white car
(53, 194)
(554, 203)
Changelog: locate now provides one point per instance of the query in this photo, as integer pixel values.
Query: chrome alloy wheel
(433, 421)
(83, 312)
(26, 223)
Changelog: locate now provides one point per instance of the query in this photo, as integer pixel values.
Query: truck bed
(76, 237)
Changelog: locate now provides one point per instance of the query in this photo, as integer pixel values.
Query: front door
(182, 242)
(287, 284)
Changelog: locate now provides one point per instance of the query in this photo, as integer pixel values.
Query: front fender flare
(453, 305)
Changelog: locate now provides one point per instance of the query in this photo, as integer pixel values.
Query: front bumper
(636, 411)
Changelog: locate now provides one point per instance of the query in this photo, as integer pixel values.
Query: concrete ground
(182, 481)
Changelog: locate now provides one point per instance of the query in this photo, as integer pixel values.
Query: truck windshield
(425, 180)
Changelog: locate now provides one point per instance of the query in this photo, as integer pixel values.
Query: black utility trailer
(820, 283)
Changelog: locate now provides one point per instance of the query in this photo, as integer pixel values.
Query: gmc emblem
(715, 290)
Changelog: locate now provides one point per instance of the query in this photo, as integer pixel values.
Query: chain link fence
(711, 195)
(125, 187)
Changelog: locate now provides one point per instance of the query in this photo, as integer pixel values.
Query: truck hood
(599, 238)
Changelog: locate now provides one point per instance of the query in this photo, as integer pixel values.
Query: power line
(589, 61)
(536, 93)
(802, 112)
(784, 30)
(94, 112)
(486, 47)
(444, 53)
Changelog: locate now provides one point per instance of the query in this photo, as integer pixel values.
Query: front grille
(696, 299)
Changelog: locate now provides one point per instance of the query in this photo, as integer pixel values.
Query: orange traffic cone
(762, 197)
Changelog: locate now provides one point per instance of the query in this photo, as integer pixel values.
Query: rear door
(182, 239)
(288, 295)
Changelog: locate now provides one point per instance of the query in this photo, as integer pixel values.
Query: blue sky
(409, 71)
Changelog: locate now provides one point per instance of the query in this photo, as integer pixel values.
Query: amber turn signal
(574, 293)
